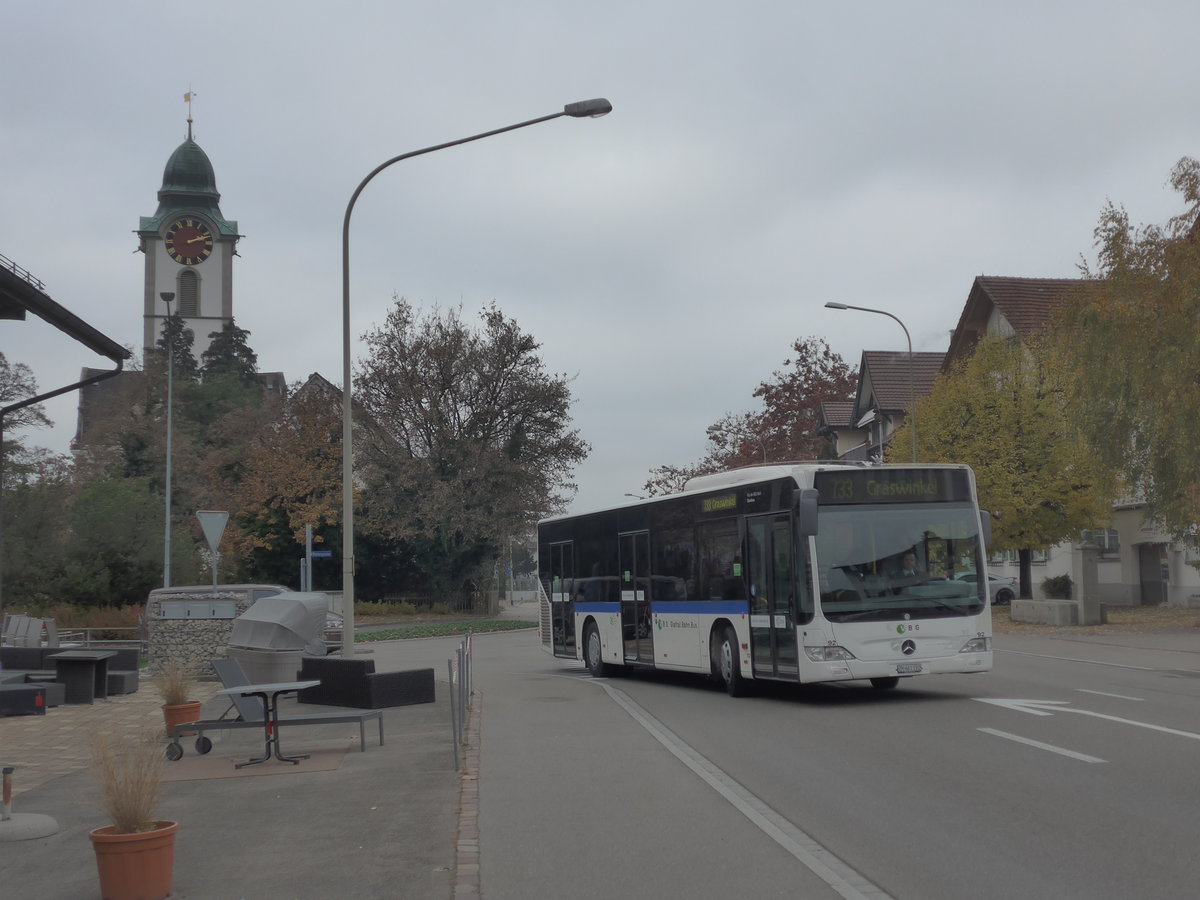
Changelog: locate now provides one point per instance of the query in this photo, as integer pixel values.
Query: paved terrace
(382, 823)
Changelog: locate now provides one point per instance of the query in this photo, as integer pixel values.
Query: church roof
(189, 171)
(189, 185)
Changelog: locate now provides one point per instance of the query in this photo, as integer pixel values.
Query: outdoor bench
(32, 664)
(354, 682)
(19, 697)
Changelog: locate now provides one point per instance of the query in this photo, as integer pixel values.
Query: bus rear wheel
(725, 665)
(592, 652)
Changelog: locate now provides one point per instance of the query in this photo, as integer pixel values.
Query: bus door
(562, 609)
(636, 629)
(769, 561)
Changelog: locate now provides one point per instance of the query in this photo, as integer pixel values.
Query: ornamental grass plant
(128, 769)
(174, 682)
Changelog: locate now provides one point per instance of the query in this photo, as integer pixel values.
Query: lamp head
(832, 305)
(167, 296)
(585, 108)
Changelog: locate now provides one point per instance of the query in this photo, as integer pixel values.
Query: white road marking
(1107, 694)
(1050, 707)
(839, 875)
(1083, 757)
(1093, 662)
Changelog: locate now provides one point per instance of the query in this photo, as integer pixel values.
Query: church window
(189, 293)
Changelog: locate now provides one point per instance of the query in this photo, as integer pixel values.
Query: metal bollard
(453, 714)
(8, 770)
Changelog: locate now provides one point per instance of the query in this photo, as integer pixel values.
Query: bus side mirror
(804, 505)
(985, 528)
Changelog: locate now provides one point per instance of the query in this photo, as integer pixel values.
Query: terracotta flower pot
(135, 866)
(180, 713)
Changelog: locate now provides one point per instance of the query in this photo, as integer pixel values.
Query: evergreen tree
(229, 353)
(181, 340)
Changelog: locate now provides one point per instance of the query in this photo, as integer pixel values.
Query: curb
(466, 868)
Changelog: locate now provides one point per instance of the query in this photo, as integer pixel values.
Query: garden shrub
(1057, 587)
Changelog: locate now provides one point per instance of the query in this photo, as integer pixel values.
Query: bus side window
(720, 560)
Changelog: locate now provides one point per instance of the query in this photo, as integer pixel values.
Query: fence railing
(90, 637)
(460, 695)
(21, 630)
(21, 273)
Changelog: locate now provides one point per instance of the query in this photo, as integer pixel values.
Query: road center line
(1082, 757)
(840, 876)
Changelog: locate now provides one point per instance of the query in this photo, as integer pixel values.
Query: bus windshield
(899, 561)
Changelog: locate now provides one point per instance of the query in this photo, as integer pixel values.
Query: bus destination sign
(892, 486)
(721, 503)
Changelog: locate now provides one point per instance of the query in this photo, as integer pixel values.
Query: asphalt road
(657, 785)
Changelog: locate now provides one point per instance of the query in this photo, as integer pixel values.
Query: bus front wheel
(592, 655)
(885, 684)
(725, 657)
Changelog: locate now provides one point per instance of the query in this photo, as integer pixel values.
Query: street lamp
(167, 297)
(583, 109)
(912, 391)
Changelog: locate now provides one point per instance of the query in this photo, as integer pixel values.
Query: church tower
(189, 249)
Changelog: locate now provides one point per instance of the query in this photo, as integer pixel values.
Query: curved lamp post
(167, 297)
(582, 109)
(912, 392)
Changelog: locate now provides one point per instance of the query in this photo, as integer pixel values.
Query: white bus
(798, 573)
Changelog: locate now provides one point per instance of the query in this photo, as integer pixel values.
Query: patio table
(270, 694)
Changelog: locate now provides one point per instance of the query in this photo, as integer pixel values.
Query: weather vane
(187, 98)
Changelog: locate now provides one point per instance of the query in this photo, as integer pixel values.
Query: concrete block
(1046, 612)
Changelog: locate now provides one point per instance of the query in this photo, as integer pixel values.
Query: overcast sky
(761, 159)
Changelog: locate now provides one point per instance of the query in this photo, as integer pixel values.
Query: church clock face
(189, 242)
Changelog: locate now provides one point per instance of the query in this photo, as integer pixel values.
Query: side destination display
(892, 486)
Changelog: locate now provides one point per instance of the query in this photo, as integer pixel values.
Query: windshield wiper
(880, 612)
(962, 611)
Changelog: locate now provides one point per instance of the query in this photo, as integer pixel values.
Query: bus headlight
(977, 645)
(827, 654)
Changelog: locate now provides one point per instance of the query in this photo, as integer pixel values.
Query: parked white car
(1001, 590)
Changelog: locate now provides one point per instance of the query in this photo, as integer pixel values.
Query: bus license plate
(908, 668)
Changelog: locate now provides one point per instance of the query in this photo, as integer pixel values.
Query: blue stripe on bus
(682, 607)
(703, 607)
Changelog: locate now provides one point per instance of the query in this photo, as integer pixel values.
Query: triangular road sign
(213, 523)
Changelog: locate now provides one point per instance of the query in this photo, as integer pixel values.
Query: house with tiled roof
(887, 383)
(1006, 307)
(835, 423)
